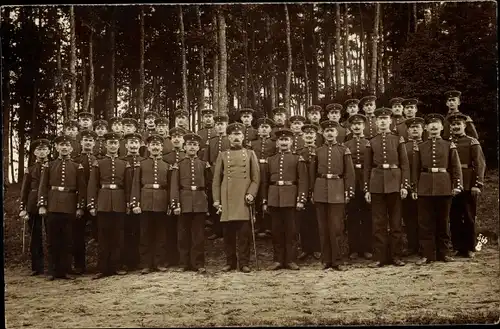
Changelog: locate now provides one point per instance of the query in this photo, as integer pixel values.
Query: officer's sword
(252, 219)
(24, 235)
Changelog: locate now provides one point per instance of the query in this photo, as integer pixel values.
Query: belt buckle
(358, 165)
(329, 176)
(193, 187)
(434, 169)
(60, 188)
(113, 186)
(156, 186)
(281, 182)
(262, 160)
(386, 166)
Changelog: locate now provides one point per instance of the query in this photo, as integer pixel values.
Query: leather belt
(284, 182)
(388, 166)
(358, 165)
(464, 166)
(434, 170)
(330, 176)
(63, 189)
(153, 186)
(262, 160)
(193, 188)
(111, 186)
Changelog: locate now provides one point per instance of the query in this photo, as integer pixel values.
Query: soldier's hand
(264, 208)
(347, 199)
(136, 210)
(368, 197)
(456, 191)
(79, 213)
(300, 206)
(249, 198)
(414, 195)
(23, 214)
(93, 212)
(177, 211)
(127, 211)
(404, 193)
(475, 191)
(169, 211)
(42, 211)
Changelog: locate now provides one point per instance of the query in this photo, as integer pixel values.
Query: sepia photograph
(250, 164)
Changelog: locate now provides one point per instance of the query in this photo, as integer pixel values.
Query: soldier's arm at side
(456, 168)
(404, 164)
(349, 178)
(93, 186)
(368, 167)
(415, 169)
(127, 182)
(303, 181)
(174, 188)
(217, 179)
(135, 190)
(43, 187)
(479, 164)
(25, 190)
(254, 174)
(470, 128)
(264, 182)
(81, 186)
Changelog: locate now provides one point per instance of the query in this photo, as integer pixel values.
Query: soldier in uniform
(334, 113)
(85, 120)
(182, 119)
(359, 219)
(410, 112)
(351, 108)
(279, 118)
(28, 209)
(149, 197)
(410, 208)
(464, 205)
(131, 225)
(61, 195)
(333, 188)
(313, 114)
(246, 117)
(387, 179)
(71, 130)
(235, 184)
(162, 130)
(308, 224)
(396, 104)
(189, 183)
(149, 129)
(116, 125)
(368, 105)
(208, 130)
(100, 128)
(284, 190)
(437, 177)
(452, 102)
(263, 147)
(296, 123)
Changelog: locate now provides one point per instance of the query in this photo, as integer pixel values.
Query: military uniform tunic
(99, 150)
(216, 145)
(370, 127)
(470, 128)
(206, 134)
(250, 134)
(297, 142)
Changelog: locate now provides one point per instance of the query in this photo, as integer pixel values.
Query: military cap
(356, 118)
(457, 116)
(207, 111)
(39, 142)
(130, 121)
(334, 107)
(88, 133)
(383, 111)
(410, 101)
(329, 124)
(99, 123)
(367, 99)
(176, 131)
(415, 121)
(112, 135)
(221, 118)
(309, 126)
(294, 118)
(285, 132)
(150, 114)
(279, 110)
(115, 119)
(154, 137)
(161, 121)
(62, 139)
(132, 136)
(452, 93)
(351, 101)
(180, 113)
(70, 123)
(245, 111)
(85, 115)
(396, 100)
(434, 117)
(129, 114)
(192, 137)
(266, 121)
(314, 108)
(235, 126)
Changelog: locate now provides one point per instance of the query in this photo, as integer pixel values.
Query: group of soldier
(302, 181)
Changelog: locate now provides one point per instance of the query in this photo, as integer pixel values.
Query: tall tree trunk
(244, 96)
(326, 52)
(380, 57)
(141, 67)
(91, 82)
(72, 63)
(306, 75)
(337, 48)
(362, 63)
(201, 95)
(289, 69)
(84, 76)
(272, 86)
(253, 80)
(6, 32)
(185, 104)
(215, 94)
(347, 51)
(60, 78)
(373, 80)
(11, 148)
(414, 17)
(314, 62)
(223, 102)
(111, 99)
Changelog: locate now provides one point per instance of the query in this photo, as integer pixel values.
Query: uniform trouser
(110, 236)
(152, 241)
(386, 209)
(308, 228)
(463, 222)
(131, 240)
(359, 225)
(283, 227)
(191, 240)
(170, 255)
(331, 228)
(58, 237)
(213, 216)
(36, 241)
(262, 221)
(434, 226)
(410, 218)
(237, 237)
(78, 241)
(93, 228)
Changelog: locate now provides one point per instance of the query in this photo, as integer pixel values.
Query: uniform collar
(371, 116)
(450, 112)
(177, 149)
(387, 132)
(191, 157)
(67, 157)
(358, 136)
(414, 140)
(434, 138)
(458, 136)
(42, 160)
(158, 157)
(132, 154)
(331, 143)
(265, 138)
(236, 147)
(285, 152)
(112, 156)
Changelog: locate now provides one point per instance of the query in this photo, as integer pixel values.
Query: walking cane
(252, 219)
(24, 236)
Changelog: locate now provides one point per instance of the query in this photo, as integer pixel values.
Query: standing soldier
(162, 130)
(452, 102)
(71, 130)
(396, 104)
(279, 118)
(284, 190)
(107, 198)
(85, 120)
(182, 119)
(464, 205)
(313, 114)
(296, 123)
(359, 219)
(351, 108)
(208, 130)
(410, 112)
(235, 184)
(410, 208)
(61, 193)
(188, 186)
(149, 197)
(334, 113)
(149, 129)
(387, 179)
(131, 225)
(116, 125)
(308, 224)
(333, 188)
(437, 177)
(368, 105)
(246, 117)
(28, 206)
(263, 147)
(130, 126)
(100, 128)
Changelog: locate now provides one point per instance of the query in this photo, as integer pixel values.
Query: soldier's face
(236, 138)
(415, 131)
(87, 143)
(150, 122)
(434, 128)
(352, 109)
(155, 147)
(284, 143)
(369, 107)
(334, 115)
(264, 130)
(397, 109)
(192, 147)
(117, 127)
(453, 102)
(208, 120)
(177, 140)
(101, 130)
(112, 146)
(71, 131)
(129, 128)
(42, 152)
(64, 148)
(458, 127)
(161, 129)
(220, 127)
(279, 118)
(181, 121)
(246, 119)
(330, 134)
(133, 145)
(309, 136)
(296, 126)
(410, 111)
(383, 122)
(314, 116)
(357, 127)
(85, 122)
